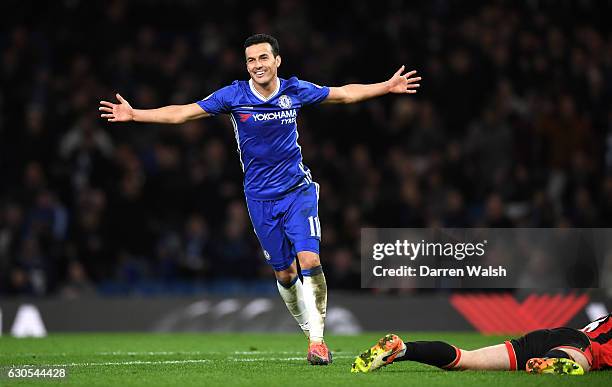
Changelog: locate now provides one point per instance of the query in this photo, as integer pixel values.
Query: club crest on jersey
(284, 102)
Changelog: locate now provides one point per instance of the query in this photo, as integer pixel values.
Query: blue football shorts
(288, 225)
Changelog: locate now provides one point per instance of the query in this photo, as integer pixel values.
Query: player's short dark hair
(263, 38)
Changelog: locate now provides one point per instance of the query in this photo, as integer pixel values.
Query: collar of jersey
(261, 97)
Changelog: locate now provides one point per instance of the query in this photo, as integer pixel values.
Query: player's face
(261, 64)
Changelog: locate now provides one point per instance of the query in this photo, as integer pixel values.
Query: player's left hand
(403, 83)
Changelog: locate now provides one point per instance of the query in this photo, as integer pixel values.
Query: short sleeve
(310, 93)
(219, 102)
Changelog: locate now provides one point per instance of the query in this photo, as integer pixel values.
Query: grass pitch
(104, 359)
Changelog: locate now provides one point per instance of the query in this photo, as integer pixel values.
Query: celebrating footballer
(281, 195)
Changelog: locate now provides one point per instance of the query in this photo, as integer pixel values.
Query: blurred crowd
(512, 127)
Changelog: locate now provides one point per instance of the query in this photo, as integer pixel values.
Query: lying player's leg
(501, 357)
(574, 354)
(439, 354)
(493, 358)
(561, 350)
(391, 348)
(565, 361)
(383, 353)
(557, 350)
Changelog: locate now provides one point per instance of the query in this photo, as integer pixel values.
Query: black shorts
(538, 343)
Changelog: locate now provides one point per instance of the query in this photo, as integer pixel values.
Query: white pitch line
(159, 353)
(158, 362)
(154, 353)
(269, 359)
(112, 363)
(301, 358)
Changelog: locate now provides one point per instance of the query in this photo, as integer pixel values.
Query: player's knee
(308, 259)
(286, 276)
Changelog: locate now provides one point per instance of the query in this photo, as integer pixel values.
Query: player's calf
(315, 301)
(292, 294)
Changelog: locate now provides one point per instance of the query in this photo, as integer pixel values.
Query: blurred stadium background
(512, 128)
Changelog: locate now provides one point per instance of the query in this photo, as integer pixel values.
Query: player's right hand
(113, 112)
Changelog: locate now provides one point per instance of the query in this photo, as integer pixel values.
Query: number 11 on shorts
(315, 226)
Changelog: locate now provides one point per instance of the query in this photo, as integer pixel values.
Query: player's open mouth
(259, 73)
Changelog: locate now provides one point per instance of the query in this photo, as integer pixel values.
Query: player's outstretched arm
(173, 114)
(399, 84)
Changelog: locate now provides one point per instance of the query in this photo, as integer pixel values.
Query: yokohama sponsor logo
(502, 313)
(275, 115)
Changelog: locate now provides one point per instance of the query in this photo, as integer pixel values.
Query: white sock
(315, 299)
(294, 299)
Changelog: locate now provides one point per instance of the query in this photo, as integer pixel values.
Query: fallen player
(566, 351)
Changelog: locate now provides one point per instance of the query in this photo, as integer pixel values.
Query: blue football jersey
(266, 133)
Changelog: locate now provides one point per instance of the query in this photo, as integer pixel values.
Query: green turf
(245, 360)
